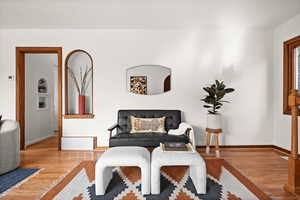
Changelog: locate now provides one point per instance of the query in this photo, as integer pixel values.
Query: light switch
(11, 78)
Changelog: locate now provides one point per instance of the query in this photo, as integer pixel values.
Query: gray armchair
(9, 145)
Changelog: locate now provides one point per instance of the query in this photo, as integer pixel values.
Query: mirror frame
(67, 114)
(127, 78)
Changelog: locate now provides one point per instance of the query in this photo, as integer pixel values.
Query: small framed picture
(138, 84)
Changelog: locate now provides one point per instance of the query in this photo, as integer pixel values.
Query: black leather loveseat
(123, 137)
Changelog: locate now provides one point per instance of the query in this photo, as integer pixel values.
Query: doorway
(42, 98)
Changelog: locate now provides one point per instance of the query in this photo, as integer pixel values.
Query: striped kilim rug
(175, 184)
(223, 183)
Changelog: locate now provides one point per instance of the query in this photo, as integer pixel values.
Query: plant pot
(81, 104)
(214, 121)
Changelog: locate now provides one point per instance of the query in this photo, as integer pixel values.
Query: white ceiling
(146, 14)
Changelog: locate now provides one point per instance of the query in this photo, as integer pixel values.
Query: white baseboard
(78, 143)
(39, 139)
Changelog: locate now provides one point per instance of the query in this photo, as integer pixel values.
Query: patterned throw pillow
(146, 125)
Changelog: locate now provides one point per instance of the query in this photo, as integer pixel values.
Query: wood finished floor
(264, 167)
(54, 164)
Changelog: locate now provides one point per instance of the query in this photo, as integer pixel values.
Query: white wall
(38, 123)
(282, 123)
(240, 57)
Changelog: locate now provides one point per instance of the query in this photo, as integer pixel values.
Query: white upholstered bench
(122, 156)
(197, 167)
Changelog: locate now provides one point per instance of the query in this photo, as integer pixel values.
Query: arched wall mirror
(148, 79)
(79, 85)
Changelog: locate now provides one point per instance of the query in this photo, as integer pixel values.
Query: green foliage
(216, 92)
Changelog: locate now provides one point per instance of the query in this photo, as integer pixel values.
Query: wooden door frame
(20, 87)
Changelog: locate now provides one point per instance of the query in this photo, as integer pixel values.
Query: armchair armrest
(110, 129)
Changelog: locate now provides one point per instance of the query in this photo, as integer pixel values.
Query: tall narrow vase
(81, 104)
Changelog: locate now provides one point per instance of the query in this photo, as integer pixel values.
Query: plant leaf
(229, 90)
(217, 83)
(207, 106)
(209, 100)
(219, 104)
(210, 91)
(225, 101)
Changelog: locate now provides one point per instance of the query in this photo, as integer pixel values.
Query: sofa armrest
(185, 129)
(113, 127)
(110, 129)
(189, 132)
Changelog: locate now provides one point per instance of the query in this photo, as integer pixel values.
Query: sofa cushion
(173, 118)
(140, 125)
(145, 139)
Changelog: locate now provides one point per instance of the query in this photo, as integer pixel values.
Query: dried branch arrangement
(82, 84)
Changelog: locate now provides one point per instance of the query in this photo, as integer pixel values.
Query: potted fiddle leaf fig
(214, 102)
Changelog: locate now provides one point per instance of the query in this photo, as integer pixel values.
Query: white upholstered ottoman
(197, 167)
(122, 156)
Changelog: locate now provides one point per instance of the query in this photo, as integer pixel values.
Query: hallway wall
(39, 123)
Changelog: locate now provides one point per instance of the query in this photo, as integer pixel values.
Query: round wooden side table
(216, 133)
